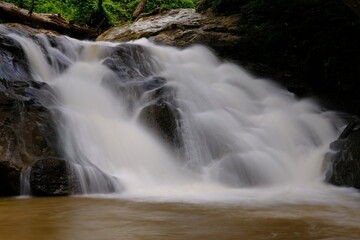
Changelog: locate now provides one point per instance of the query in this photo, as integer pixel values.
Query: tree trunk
(31, 7)
(354, 5)
(100, 2)
(10, 13)
(139, 9)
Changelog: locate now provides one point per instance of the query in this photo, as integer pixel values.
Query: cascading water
(234, 132)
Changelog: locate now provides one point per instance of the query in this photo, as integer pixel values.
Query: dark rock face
(50, 177)
(9, 179)
(345, 162)
(26, 127)
(135, 83)
(14, 64)
(57, 177)
(130, 62)
(163, 117)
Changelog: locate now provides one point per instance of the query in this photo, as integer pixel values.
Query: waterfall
(165, 121)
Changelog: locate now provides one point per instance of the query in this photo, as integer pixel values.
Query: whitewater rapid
(242, 138)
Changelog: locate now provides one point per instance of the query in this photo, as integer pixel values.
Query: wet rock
(345, 161)
(135, 83)
(9, 179)
(164, 119)
(82, 178)
(49, 177)
(14, 65)
(130, 62)
(57, 177)
(27, 131)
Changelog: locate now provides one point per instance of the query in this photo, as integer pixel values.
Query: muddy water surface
(96, 218)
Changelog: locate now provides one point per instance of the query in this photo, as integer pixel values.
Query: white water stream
(244, 139)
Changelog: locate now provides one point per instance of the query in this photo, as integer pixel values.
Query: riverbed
(86, 218)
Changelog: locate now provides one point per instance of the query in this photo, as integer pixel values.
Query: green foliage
(84, 12)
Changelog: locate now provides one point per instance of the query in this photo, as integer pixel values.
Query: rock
(130, 62)
(182, 27)
(9, 179)
(27, 128)
(135, 82)
(163, 117)
(89, 179)
(14, 65)
(345, 161)
(57, 177)
(24, 29)
(50, 177)
(151, 25)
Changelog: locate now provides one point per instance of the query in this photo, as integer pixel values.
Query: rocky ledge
(181, 28)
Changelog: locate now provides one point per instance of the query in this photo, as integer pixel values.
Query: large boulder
(183, 27)
(50, 177)
(344, 162)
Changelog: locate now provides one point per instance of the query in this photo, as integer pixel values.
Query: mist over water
(242, 139)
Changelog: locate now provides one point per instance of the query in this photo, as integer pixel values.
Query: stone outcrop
(136, 83)
(344, 162)
(181, 28)
(26, 126)
(163, 117)
(50, 177)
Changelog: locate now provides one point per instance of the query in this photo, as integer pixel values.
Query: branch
(139, 9)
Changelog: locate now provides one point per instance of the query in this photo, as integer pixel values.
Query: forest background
(93, 12)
